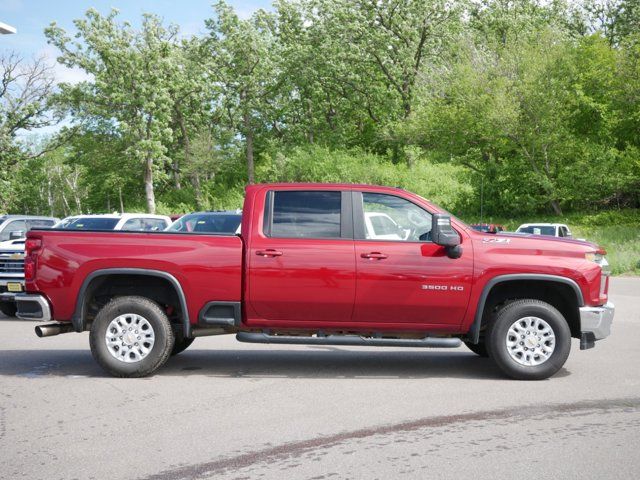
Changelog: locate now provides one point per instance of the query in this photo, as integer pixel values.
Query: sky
(30, 17)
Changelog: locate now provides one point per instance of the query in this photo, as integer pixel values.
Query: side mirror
(443, 234)
(16, 234)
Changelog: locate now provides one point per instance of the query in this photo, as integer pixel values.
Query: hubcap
(530, 341)
(129, 338)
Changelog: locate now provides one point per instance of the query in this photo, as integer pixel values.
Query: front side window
(15, 226)
(40, 223)
(133, 224)
(91, 223)
(387, 217)
(298, 214)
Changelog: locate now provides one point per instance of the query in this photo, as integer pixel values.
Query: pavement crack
(294, 449)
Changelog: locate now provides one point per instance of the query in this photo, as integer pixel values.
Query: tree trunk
(185, 144)
(121, 201)
(248, 134)
(148, 185)
(556, 207)
(198, 190)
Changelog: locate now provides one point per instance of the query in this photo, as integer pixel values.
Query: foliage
(520, 108)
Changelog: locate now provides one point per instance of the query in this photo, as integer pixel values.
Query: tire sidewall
(163, 344)
(499, 328)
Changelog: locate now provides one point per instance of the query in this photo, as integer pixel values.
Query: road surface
(228, 410)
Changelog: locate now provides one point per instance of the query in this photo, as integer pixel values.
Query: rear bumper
(595, 324)
(32, 307)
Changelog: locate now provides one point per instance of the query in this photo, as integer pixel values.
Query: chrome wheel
(129, 338)
(530, 341)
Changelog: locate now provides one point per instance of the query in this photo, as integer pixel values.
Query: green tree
(131, 83)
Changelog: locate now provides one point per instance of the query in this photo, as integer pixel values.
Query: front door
(403, 278)
(301, 266)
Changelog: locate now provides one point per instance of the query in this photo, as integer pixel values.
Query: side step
(349, 340)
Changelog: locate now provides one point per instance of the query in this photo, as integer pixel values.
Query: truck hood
(547, 238)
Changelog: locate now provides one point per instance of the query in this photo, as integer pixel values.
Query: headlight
(594, 257)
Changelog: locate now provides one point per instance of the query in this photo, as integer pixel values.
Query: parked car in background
(487, 227)
(16, 226)
(13, 229)
(222, 221)
(116, 221)
(550, 229)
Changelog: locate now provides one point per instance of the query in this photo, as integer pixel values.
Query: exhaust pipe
(51, 329)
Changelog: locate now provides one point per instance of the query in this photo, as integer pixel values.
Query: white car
(380, 226)
(116, 221)
(551, 229)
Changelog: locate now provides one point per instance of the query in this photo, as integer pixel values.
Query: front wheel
(528, 340)
(131, 337)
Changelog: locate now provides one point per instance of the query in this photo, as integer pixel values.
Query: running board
(349, 340)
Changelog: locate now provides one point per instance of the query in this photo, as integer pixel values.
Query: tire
(147, 339)
(181, 344)
(8, 308)
(478, 348)
(524, 358)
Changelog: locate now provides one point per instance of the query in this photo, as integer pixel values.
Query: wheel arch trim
(78, 319)
(474, 332)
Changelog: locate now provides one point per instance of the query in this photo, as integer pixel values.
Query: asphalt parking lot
(223, 409)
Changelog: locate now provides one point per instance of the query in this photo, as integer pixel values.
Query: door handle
(269, 252)
(374, 255)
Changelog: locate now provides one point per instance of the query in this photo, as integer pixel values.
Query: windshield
(538, 230)
(207, 223)
(89, 223)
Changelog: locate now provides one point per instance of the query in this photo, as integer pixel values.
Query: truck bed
(208, 266)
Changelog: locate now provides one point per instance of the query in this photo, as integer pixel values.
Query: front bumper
(32, 307)
(595, 324)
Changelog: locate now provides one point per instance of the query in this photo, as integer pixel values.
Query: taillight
(31, 245)
(29, 269)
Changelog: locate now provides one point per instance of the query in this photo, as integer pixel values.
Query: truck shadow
(318, 362)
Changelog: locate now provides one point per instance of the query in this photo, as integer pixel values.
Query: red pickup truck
(321, 264)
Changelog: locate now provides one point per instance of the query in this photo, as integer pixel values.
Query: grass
(618, 231)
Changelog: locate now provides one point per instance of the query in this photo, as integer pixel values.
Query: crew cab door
(301, 266)
(402, 277)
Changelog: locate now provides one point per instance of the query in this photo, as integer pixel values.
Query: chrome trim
(45, 309)
(597, 320)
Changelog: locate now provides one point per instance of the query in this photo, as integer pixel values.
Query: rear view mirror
(442, 233)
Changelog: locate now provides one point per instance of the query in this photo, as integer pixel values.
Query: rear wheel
(528, 340)
(131, 337)
(8, 308)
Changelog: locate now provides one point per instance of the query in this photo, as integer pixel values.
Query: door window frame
(359, 229)
(346, 214)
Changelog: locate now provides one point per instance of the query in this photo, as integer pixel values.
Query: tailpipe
(51, 329)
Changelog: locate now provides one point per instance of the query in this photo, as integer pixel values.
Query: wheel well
(560, 295)
(103, 288)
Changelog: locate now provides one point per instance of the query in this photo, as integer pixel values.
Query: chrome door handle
(269, 252)
(374, 255)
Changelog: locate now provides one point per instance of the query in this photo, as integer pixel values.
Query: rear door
(301, 266)
(408, 281)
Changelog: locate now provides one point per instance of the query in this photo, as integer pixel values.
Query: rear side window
(306, 214)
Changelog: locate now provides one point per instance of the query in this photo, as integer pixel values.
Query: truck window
(40, 223)
(16, 225)
(298, 214)
(388, 217)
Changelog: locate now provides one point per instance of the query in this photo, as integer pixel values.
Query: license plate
(14, 287)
